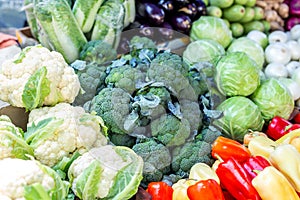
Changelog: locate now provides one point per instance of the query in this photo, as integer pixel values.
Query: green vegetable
(221, 3)
(258, 13)
(109, 22)
(273, 99)
(30, 17)
(108, 172)
(36, 89)
(170, 130)
(239, 116)
(237, 29)
(236, 74)
(252, 49)
(184, 157)
(12, 143)
(202, 50)
(249, 15)
(61, 29)
(209, 27)
(85, 12)
(129, 6)
(156, 157)
(214, 11)
(254, 25)
(234, 13)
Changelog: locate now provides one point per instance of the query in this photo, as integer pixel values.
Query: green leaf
(36, 89)
(36, 192)
(45, 128)
(88, 182)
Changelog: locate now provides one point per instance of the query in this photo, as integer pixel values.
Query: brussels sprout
(210, 27)
(240, 114)
(202, 50)
(273, 99)
(252, 49)
(236, 74)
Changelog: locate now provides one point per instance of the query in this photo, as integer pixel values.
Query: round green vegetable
(210, 27)
(202, 50)
(273, 99)
(234, 13)
(236, 74)
(252, 49)
(237, 29)
(240, 114)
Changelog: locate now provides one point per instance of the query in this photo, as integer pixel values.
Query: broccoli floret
(208, 134)
(168, 68)
(98, 51)
(152, 101)
(138, 42)
(125, 77)
(113, 105)
(170, 130)
(184, 157)
(91, 77)
(122, 139)
(156, 157)
(191, 111)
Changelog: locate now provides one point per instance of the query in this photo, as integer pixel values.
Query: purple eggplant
(181, 3)
(190, 10)
(201, 8)
(181, 22)
(154, 14)
(167, 5)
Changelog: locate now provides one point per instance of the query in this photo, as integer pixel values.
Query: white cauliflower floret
(69, 129)
(64, 84)
(16, 173)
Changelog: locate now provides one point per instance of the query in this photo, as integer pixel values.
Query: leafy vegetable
(210, 27)
(239, 115)
(273, 99)
(236, 74)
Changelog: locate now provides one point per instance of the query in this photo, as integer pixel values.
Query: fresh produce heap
(65, 151)
(171, 14)
(66, 26)
(294, 14)
(241, 16)
(258, 168)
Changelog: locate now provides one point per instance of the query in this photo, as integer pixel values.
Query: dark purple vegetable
(291, 21)
(154, 14)
(189, 9)
(167, 5)
(181, 3)
(201, 8)
(181, 22)
(295, 7)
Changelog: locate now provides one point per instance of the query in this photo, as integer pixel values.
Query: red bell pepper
(208, 189)
(255, 163)
(236, 180)
(291, 128)
(226, 148)
(296, 118)
(160, 190)
(277, 127)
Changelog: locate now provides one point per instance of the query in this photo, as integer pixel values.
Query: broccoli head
(125, 77)
(208, 134)
(184, 157)
(156, 157)
(91, 77)
(113, 105)
(192, 112)
(168, 68)
(122, 139)
(170, 130)
(98, 51)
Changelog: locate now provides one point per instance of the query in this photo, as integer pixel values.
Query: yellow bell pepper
(271, 184)
(202, 171)
(180, 189)
(292, 138)
(261, 145)
(286, 159)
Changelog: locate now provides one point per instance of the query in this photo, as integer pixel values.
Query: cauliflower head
(57, 132)
(36, 77)
(107, 172)
(23, 179)
(12, 143)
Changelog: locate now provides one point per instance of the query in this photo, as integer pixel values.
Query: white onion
(294, 47)
(291, 67)
(277, 36)
(276, 70)
(278, 52)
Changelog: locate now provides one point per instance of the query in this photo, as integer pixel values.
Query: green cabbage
(239, 115)
(236, 74)
(210, 27)
(273, 99)
(251, 48)
(107, 172)
(202, 50)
